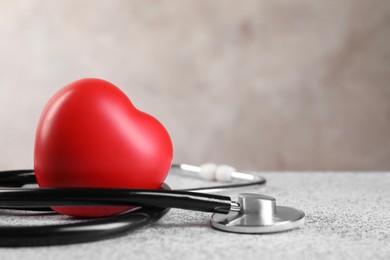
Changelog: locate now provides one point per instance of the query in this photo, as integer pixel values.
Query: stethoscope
(251, 213)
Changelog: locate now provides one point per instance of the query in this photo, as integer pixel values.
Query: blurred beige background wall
(265, 85)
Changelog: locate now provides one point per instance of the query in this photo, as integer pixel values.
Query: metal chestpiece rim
(259, 214)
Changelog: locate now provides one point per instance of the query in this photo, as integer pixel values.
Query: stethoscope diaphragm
(258, 214)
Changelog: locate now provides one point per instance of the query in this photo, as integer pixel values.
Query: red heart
(91, 135)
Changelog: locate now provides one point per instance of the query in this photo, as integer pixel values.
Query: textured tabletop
(347, 216)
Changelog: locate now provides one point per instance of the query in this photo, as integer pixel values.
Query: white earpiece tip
(207, 171)
(224, 172)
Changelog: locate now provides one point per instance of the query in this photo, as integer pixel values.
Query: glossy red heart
(91, 135)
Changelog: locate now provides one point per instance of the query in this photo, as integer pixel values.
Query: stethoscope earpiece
(258, 214)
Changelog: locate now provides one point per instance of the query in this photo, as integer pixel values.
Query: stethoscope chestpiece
(258, 214)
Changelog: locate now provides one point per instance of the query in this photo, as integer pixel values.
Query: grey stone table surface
(347, 217)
